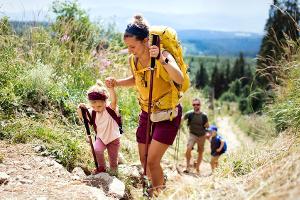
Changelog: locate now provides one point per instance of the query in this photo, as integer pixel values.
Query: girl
(106, 127)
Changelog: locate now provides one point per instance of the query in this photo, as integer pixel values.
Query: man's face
(196, 106)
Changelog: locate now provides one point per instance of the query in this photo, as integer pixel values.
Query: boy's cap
(212, 128)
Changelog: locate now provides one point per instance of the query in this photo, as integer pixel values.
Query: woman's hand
(154, 51)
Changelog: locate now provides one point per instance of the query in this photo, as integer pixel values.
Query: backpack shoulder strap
(204, 118)
(93, 121)
(117, 118)
(190, 117)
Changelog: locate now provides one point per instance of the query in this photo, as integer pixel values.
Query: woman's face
(98, 105)
(136, 47)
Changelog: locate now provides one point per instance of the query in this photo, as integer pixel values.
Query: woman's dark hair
(139, 28)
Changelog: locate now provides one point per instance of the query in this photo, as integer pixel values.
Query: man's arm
(205, 121)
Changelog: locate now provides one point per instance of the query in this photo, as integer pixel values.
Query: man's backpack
(169, 41)
(112, 113)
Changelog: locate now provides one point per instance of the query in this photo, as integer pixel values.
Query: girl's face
(137, 47)
(98, 105)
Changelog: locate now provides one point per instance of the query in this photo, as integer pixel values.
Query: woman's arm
(171, 67)
(129, 81)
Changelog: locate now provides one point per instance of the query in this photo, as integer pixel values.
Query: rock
(26, 167)
(77, 171)
(130, 171)
(121, 159)
(45, 153)
(26, 181)
(113, 185)
(39, 148)
(3, 178)
(41, 198)
(75, 178)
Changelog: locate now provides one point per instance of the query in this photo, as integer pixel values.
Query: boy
(218, 146)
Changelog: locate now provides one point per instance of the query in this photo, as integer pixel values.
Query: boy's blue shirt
(215, 143)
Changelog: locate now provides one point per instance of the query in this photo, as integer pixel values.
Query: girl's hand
(82, 105)
(154, 51)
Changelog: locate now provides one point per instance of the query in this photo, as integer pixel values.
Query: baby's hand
(82, 105)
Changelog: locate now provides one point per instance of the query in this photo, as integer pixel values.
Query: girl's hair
(138, 28)
(99, 88)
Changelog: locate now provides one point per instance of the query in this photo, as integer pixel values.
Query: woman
(136, 38)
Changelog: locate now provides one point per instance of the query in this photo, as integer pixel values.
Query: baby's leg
(100, 147)
(113, 151)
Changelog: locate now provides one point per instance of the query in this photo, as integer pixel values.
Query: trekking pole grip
(154, 42)
(85, 120)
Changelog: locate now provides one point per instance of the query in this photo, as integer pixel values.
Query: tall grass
(285, 110)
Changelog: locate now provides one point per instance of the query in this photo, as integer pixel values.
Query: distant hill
(20, 26)
(204, 42)
(196, 42)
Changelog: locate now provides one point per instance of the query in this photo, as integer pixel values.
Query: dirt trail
(206, 185)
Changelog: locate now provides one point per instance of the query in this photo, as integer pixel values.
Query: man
(197, 122)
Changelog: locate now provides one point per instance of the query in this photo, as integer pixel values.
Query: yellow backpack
(169, 41)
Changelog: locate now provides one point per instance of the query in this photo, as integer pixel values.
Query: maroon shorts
(164, 131)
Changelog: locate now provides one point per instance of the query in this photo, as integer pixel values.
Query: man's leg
(188, 154)
(200, 142)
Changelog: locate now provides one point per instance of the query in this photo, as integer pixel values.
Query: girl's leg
(113, 151)
(156, 152)
(99, 148)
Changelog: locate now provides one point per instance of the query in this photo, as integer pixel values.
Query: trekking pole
(148, 130)
(88, 132)
(177, 151)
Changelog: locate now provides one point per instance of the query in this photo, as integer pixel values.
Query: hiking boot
(99, 170)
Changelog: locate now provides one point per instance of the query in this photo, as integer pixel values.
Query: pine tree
(215, 82)
(227, 74)
(281, 25)
(201, 79)
(238, 68)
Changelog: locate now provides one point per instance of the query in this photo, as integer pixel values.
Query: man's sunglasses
(196, 104)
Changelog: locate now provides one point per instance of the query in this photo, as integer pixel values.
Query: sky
(222, 15)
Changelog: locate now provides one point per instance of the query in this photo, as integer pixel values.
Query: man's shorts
(195, 139)
(164, 131)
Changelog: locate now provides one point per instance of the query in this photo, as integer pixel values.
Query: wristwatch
(165, 61)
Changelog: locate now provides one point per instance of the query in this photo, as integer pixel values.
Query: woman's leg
(156, 152)
(142, 149)
(99, 148)
(113, 151)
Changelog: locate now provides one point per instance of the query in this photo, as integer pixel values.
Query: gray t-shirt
(196, 122)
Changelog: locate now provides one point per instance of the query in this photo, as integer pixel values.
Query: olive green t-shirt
(196, 122)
